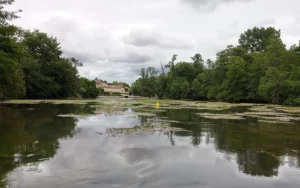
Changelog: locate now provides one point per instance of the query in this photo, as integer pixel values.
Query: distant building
(109, 88)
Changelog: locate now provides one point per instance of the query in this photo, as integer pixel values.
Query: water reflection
(39, 149)
(260, 148)
(28, 136)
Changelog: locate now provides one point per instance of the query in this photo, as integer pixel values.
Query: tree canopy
(32, 64)
(259, 69)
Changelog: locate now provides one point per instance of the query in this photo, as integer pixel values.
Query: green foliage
(257, 39)
(120, 83)
(11, 78)
(88, 89)
(179, 88)
(260, 69)
(236, 80)
(11, 75)
(47, 73)
(31, 63)
(7, 15)
(145, 86)
(161, 83)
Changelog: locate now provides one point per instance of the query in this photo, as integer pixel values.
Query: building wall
(110, 89)
(114, 90)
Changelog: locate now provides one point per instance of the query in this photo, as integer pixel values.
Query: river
(38, 148)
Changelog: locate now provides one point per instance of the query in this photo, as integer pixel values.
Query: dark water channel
(40, 149)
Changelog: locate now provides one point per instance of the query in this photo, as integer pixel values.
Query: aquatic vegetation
(262, 108)
(220, 116)
(273, 122)
(82, 115)
(270, 114)
(288, 109)
(77, 101)
(146, 107)
(201, 105)
(145, 114)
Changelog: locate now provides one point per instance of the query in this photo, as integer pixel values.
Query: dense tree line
(32, 64)
(259, 69)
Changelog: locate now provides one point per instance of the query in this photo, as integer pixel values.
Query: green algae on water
(220, 116)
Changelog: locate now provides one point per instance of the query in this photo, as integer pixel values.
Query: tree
(236, 81)
(272, 84)
(172, 62)
(11, 78)
(88, 89)
(47, 73)
(160, 86)
(257, 39)
(7, 15)
(178, 88)
(11, 75)
(145, 86)
(259, 69)
(121, 83)
(41, 46)
(198, 61)
(209, 63)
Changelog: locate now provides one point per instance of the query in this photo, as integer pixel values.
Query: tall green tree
(87, 88)
(257, 39)
(172, 62)
(47, 73)
(272, 84)
(11, 76)
(145, 85)
(236, 81)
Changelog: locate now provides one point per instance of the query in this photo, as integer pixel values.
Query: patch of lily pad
(220, 116)
(270, 115)
(288, 109)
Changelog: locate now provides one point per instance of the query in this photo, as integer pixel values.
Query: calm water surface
(39, 149)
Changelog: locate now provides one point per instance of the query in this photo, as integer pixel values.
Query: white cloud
(114, 39)
(155, 38)
(209, 5)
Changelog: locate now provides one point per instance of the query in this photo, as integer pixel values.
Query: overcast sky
(116, 38)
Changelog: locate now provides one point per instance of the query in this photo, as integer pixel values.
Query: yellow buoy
(157, 105)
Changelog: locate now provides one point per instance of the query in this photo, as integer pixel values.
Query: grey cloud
(74, 37)
(117, 43)
(87, 73)
(234, 24)
(209, 5)
(121, 72)
(151, 37)
(111, 71)
(228, 35)
(130, 57)
(83, 56)
(266, 22)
